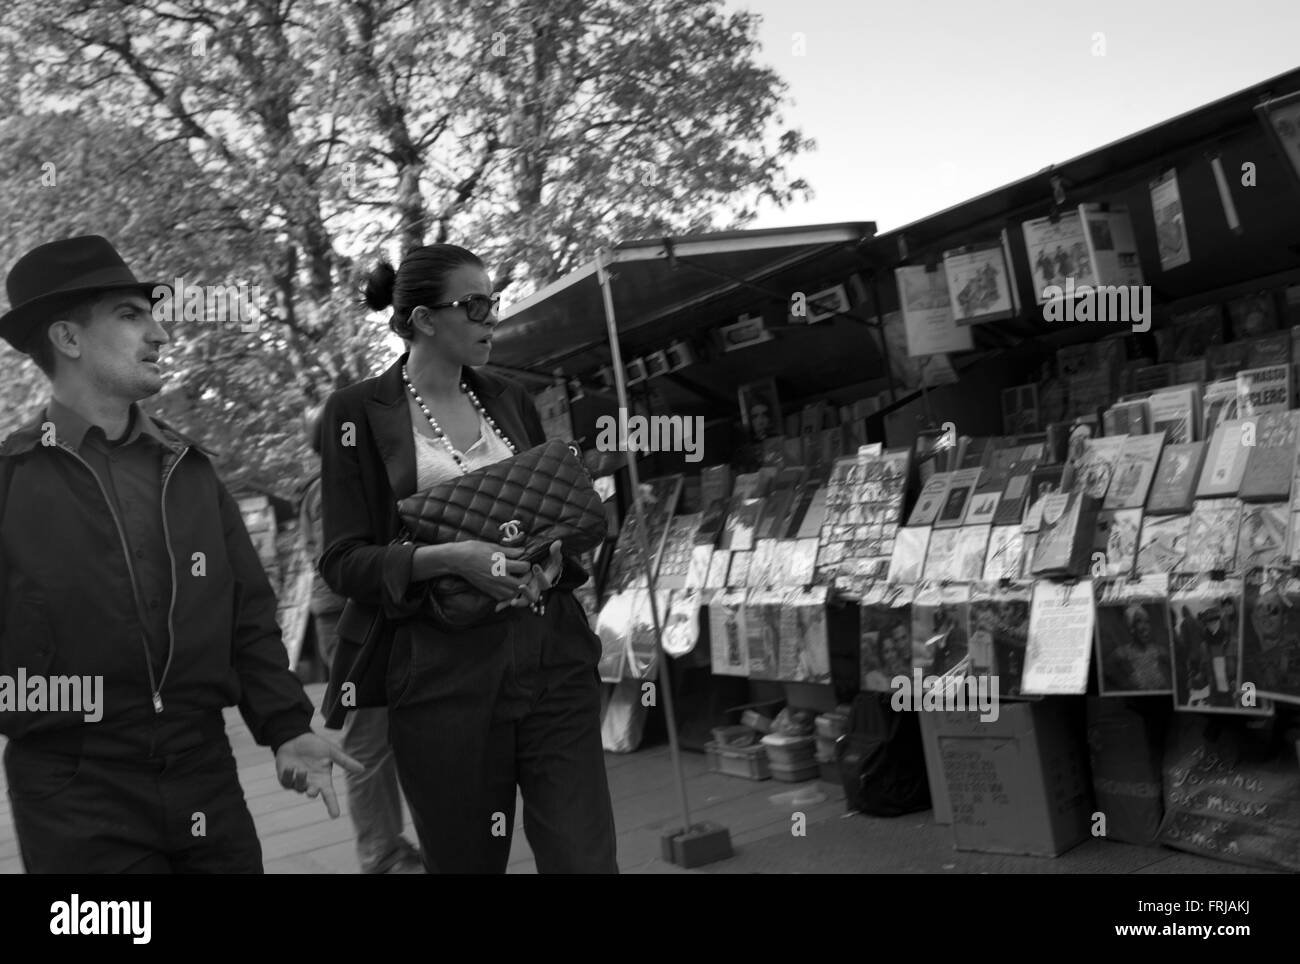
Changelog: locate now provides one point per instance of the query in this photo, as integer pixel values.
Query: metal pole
(616, 359)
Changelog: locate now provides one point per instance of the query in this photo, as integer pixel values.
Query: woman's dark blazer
(367, 465)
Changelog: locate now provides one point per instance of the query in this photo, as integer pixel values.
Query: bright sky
(917, 105)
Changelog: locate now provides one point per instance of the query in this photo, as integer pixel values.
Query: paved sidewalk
(298, 836)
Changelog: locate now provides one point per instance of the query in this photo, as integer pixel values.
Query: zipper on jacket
(135, 589)
(171, 606)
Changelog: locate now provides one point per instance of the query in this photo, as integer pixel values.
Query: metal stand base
(704, 843)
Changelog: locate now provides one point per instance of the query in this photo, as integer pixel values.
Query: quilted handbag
(528, 500)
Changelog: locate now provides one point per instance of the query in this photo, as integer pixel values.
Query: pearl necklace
(441, 436)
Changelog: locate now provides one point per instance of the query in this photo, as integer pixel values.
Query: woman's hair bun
(379, 286)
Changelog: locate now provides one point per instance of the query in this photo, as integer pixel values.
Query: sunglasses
(477, 307)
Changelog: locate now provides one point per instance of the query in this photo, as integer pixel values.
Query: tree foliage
(287, 143)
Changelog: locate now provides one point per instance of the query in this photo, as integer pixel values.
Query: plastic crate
(749, 762)
(734, 736)
(791, 750)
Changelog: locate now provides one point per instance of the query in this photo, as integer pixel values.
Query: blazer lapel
(390, 426)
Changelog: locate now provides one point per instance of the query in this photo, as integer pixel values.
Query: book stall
(1005, 524)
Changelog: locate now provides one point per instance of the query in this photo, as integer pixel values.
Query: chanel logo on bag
(511, 531)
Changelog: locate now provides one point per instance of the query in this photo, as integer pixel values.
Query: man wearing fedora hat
(124, 559)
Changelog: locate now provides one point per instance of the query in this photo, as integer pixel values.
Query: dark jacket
(69, 607)
(368, 464)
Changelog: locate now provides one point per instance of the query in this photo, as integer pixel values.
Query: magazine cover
(1195, 331)
(999, 632)
(978, 284)
(908, 560)
(1115, 544)
(940, 623)
(1262, 541)
(885, 620)
(1207, 624)
(1270, 656)
(1252, 315)
(763, 628)
(1006, 555)
(1212, 536)
(1112, 246)
(1061, 625)
(1164, 544)
(1171, 229)
(927, 312)
(941, 556)
(805, 655)
(1057, 252)
(969, 554)
(728, 637)
(1133, 651)
(1134, 471)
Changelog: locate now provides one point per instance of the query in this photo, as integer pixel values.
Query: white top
(434, 464)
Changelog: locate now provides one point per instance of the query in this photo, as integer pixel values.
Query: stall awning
(668, 287)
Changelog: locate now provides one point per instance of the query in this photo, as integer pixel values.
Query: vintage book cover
(1015, 497)
(978, 283)
(1133, 637)
(1252, 315)
(940, 628)
(1112, 246)
(1271, 462)
(1020, 411)
(810, 526)
(969, 556)
(1271, 638)
(1196, 331)
(1218, 405)
(978, 453)
(741, 527)
(1274, 349)
(738, 574)
(1225, 462)
(719, 568)
(1127, 418)
(1134, 471)
(960, 489)
(1095, 470)
(1171, 227)
(1057, 251)
(1115, 542)
(1212, 535)
(933, 495)
(1163, 544)
(926, 307)
(1208, 617)
(803, 561)
(1263, 538)
(1177, 413)
(1225, 360)
(999, 632)
(908, 561)
(1065, 532)
(941, 555)
(728, 635)
(1261, 390)
(1062, 617)
(1005, 558)
(1153, 378)
(1174, 486)
(805, 655)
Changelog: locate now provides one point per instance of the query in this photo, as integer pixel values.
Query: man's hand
(304, 763)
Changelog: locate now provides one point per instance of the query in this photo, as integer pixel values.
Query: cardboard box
(934, 768)
(1018, 784)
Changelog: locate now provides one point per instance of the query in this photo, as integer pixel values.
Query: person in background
(374, 797)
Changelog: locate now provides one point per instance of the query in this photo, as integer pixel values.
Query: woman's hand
(541, 579)
(496, 570)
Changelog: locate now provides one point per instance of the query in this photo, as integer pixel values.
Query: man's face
(117, 351)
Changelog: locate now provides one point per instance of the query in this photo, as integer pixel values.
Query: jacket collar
(30, 436)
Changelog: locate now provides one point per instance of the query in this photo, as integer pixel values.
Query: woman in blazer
(473, 713)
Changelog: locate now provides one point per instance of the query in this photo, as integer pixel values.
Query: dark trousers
(521, 712)
(182, 812)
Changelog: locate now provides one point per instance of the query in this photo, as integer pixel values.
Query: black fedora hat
(47, 275)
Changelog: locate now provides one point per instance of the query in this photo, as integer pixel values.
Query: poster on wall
(1171, 228)
(979, 285)
(1057, 252)
(1061, 625)
(927, 312)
